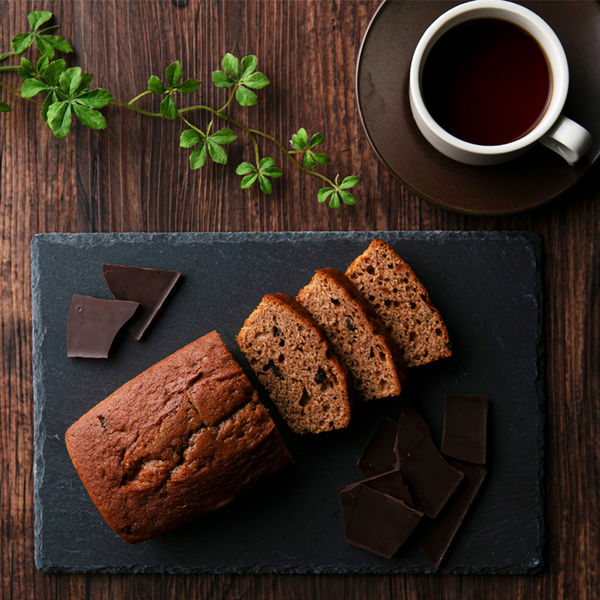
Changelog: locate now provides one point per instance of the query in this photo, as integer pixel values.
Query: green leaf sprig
(66, 94)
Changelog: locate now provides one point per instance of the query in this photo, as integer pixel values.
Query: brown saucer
(524, 183)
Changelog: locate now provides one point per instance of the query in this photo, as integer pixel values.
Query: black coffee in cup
(487, 81)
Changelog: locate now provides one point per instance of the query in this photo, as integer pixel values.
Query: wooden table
(134, 177)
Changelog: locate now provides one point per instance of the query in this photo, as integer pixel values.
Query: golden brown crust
(379, 251)
(180, 439)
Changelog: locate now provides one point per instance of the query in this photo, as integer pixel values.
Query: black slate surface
(487, 287)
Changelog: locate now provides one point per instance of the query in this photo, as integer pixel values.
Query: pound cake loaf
(181, 439)
(356, 332)
(295, 362)
(402, 302)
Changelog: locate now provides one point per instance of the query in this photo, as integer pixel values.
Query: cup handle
(569, 139)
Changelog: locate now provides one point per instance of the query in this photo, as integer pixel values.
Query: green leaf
(44, 47)
(198, 157)
(320, 158)
(230, 66)
(221, 79)
(97, 98)
(324, 193)
(189, 138)
(31, 87)
(26, 69)
(59, 43)
(217, 153)
(265, 184)
(188, 86)
(37, 18)
(335, 201)
(21, 42)
(50, 99)
(347, 198)
(245, 168)
(89, 117)
(348, 182)
(59, 118)
(4, 107)
(42, 63)
(86, 79)
(274, 172)
(223, 136)
(300, 139)
(309, 160)
(70, 79)
(245, 97)
(248, 181)
(174, 73)
(53, 71)
(266, 162)
(316, 139)
(155, 85)
(248, 65)
(256, 81)
(167, 108)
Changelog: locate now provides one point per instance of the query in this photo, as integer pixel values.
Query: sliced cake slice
(402, 302)
(356, 332)
(295, 362)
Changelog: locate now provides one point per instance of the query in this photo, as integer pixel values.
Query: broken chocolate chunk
(374, 521)
(378, 457)
(431, 479)
(437, 535)
(149, 287)
(465, 427)
(392, 484)
(93, 324)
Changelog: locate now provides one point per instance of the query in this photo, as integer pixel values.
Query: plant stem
(9, 89)
(138, 97)
(256, 152)
(191, 126)
(7, 55)
(136, 109)
(235, 87)
(10, 68)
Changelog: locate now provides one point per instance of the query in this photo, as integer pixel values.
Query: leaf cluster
(206, 143)
(243, 76)
(46, 43)
(339, 192)
(262, 172)
(305, 146)
(173, 76)
(67, 92)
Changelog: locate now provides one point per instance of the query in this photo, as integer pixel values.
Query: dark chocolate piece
(437, 535)
(465, 427)
(379, 457)
(392, 484)
(431, 480)
(93, 324)
(374, 521)
(149, 287)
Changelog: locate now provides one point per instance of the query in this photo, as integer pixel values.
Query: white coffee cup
(554, 130)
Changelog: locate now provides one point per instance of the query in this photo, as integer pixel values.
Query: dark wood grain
(133, 177)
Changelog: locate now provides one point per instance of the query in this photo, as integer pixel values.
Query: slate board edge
(95, 239)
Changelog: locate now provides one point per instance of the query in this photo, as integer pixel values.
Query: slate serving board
(487, 287)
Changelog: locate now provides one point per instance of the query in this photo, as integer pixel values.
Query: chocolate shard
(392, 484)
(431, 480)
(379, 457)
(149, 287)
(465, 427)
(93, 324)
(437, 535)
(374, 521)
